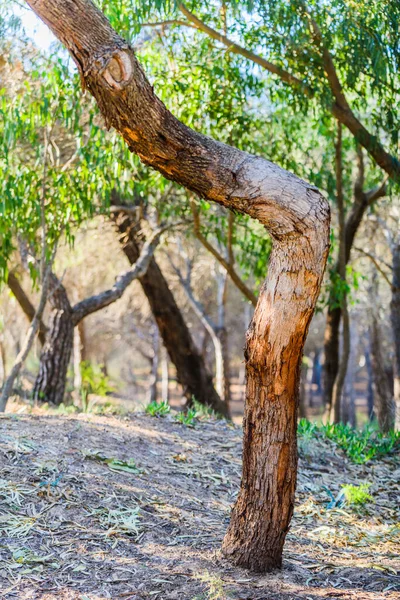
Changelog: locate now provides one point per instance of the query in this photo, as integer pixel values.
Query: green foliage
(187, 418)
(158, 409)
(94, 380)
(357, 494)
(360, 446)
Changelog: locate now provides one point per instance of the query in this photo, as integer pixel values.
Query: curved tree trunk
(297, 218)
(57, 350)
(191, 371)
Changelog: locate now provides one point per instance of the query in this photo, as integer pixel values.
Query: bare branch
(227, 265)
(97, 302)
(377, 264)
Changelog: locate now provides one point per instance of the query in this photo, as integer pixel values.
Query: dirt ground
(135, 508)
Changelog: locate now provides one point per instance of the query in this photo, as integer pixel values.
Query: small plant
(158, 409)
(187, 418)
(357, 494)
(204, 412)
(215, 586)
(360, 446)
(94, 381)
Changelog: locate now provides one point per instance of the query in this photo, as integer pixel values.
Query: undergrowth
(359, 445)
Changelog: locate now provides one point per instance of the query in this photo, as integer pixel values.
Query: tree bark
(164, 375)
(395, 320)
(297, 218)
(152, 392)
(337, 391)
(362, 201)
(56, 353)
(349, 396)
(222, 333)
(191, 371)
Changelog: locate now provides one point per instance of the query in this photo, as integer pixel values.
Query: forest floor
(134, 508)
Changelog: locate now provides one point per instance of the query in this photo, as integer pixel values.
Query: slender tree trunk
(303, 392)
(79, 354)
(383, 398)
(164, 375)
(370, 383)
(362, 201)
(57, 350)
(30, 336)
(152, 393)
(349, 396)
(395, 320)
(331, 353)
(3, 361)
(297, 218)
(337, 392)
(191, 371)
(222, 333)
(25, 304)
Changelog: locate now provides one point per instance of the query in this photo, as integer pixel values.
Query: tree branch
(227, 265)
(377, 264)
(235, 48)
(94, 303)
(25, 304)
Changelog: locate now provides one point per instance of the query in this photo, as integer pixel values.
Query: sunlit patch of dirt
(95, 507)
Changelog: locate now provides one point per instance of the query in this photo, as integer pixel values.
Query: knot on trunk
(115, 67)
(118, 70)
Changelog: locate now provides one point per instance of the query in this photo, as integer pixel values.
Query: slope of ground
(136, 507)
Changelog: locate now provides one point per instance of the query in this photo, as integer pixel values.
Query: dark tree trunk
(395, 320)
(303, 392)
(370, 383)
(191, 371)
(362, 200)
(56, 352)
(297, 218)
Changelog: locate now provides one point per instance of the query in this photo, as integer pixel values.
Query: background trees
(309, 86)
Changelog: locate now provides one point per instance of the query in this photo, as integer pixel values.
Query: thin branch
(378, 192)
(197, 306)
(237, 49)
(97, 302)
(377, 264)
(25, 303)
(229, 267)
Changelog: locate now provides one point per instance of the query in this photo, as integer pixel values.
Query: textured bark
(191, 371)
(25, 304)
(395, 320)
(297, 218)
(56, 352)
